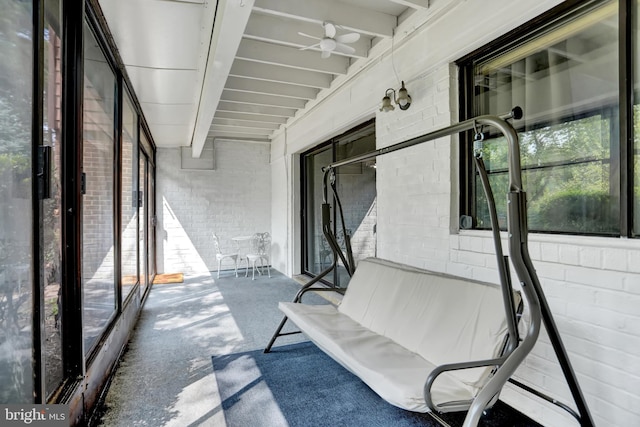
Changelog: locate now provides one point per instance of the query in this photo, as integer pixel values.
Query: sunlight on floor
(194, 404)
(199, 402)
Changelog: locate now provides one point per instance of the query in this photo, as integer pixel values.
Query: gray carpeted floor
(299, 385)
(165, 376)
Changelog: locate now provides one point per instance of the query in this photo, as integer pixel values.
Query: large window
(565, 76)
(98, 257)
(356, 186)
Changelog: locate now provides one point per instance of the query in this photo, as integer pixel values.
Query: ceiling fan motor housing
(327, 44)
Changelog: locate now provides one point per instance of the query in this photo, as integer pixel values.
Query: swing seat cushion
(397, 323)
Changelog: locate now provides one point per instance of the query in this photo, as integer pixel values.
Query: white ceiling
(234, 69)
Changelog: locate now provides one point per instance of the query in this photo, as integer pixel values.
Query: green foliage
(577, 211)
(15, 129)
(566, 175)
(15, 92)
(53, 302)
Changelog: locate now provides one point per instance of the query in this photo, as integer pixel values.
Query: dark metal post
(71, 164)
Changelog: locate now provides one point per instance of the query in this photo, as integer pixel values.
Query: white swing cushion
(397, 323)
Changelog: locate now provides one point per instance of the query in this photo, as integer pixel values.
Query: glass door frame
(147, 199)
(333, 145)
(305, 216)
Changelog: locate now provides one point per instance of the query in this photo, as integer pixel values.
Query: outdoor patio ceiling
(234, 69)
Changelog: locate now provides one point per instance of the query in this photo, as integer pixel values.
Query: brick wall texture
(232, 200)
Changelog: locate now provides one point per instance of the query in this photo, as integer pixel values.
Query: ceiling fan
(332, 43)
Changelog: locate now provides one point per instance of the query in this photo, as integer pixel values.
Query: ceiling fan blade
(329, 29)
(325, 54)
(348, 38)
(311, 37)
(310, 46)
(343, 48)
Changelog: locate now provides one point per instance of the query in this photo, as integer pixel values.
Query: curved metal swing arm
(307, 287)
(503, 263)
(348, 261)
(499, 122)
(547, 398)
(455, 406)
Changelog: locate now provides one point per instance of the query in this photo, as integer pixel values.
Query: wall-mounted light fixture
(402, 99)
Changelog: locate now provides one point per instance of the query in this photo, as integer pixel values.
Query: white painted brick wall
(596, 313)
(232, 200)
(592, 284)
(358, 194)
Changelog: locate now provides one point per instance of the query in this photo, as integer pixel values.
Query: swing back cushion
(397, 323)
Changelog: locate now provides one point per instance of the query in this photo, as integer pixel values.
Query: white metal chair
(220, 255)
(260, 251)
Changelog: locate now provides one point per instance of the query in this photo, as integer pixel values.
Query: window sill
(565, 239)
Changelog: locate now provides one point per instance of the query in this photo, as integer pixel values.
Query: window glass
(318, 251)
(566, 80)
(51, 207)
(142, 215)
(16, 373)
(356, 187)
(151, 249)
(98, 281)
(129, 257)
(356, 184)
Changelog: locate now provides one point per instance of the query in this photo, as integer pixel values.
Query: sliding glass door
(142, 215)
(356, 186)
(318, 254)
(151, 222)
(51, 250)
(128, 198)
(76, 204)
(98, 257)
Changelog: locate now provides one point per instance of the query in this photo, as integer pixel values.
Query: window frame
(93, 346)
(623, 153)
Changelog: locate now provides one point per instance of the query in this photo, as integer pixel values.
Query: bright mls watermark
(34, 415)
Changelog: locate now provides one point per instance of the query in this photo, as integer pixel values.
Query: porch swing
(375, 308)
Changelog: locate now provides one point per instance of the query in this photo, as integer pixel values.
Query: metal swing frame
(516, 348)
